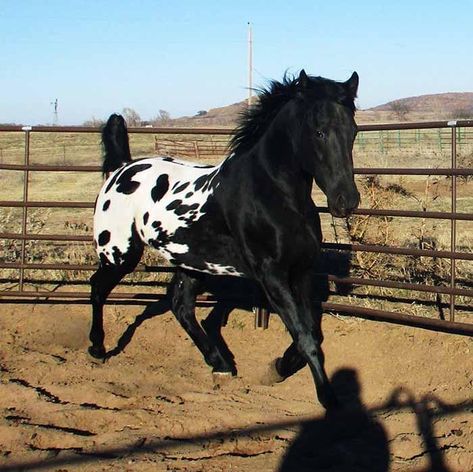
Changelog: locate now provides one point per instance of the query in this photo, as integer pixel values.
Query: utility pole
(250, 65)
(55, 115)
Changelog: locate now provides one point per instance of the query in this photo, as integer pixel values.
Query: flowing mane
(254, 120)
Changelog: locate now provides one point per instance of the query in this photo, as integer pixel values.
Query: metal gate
(447, 136)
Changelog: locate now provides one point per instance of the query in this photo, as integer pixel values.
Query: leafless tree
(162, 118)
(93, 122)
(132, 118)
(462, 113)
(400, 108)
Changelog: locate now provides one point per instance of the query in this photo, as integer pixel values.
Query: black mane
(255, 119)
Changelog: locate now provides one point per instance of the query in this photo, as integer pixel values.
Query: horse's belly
(187, 247)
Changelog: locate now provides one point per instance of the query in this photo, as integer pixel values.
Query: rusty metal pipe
(453, 223)
(357, 170)
(464, 329)
(229, 131)
(444, 290)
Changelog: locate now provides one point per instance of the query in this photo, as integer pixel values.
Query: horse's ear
(303, 79)
(352, 85)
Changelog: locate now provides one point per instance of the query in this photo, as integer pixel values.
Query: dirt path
(154, 406)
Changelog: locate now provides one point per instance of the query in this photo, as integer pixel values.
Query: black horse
(252, 216)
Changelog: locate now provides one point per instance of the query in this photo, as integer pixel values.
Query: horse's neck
(276, 154)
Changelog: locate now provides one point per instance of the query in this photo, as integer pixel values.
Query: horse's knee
(98, 282)
(308, 344)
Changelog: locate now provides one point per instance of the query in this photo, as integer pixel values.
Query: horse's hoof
(272, 376)
(331, 403)
(329, 400)
(221, 379)
(98, 352)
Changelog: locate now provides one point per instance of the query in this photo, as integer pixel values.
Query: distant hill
(440, 102)
(214, 118)
(435, 103)
(441, 106)
(433, 107)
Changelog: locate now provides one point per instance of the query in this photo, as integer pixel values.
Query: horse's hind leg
(183, 292)
(106, 278)
(101, 284)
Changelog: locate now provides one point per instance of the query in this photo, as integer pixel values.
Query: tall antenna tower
(55, 114)
(250, 64)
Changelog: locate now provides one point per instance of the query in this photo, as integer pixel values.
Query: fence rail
(28, 169)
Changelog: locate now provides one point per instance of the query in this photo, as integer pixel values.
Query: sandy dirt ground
(154, 406)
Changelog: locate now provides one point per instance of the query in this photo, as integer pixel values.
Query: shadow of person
(345, 440)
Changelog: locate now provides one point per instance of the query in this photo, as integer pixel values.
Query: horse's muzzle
(344, 204)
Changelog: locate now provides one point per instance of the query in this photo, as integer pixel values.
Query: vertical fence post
(24, 219)
(453, 225)
(261, 317)
(196, 150)
(362, 140)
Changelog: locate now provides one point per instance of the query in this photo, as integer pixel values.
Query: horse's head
(328, 130)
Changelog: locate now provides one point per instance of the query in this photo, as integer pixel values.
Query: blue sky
(182, 56)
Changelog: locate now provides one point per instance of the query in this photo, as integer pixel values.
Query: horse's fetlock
(97, 352)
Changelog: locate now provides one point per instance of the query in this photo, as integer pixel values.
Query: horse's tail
(115, 144)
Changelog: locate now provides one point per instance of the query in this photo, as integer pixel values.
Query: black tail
(115, 144)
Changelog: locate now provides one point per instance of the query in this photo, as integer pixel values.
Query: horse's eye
(320, 134)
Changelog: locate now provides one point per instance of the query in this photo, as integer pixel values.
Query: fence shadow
(351, 439)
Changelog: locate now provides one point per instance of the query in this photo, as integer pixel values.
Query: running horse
(251, 216)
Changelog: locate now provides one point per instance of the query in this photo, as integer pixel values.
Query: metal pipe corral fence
(17, 291)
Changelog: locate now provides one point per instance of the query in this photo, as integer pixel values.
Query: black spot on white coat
(161, 188)
(104, 238)
(125, 183)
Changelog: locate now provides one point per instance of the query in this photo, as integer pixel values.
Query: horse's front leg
(292, 360)
(293, 298)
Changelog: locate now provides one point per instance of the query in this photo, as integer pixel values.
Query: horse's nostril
(341, 202)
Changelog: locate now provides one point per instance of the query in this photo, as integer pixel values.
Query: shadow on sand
(350, 439)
